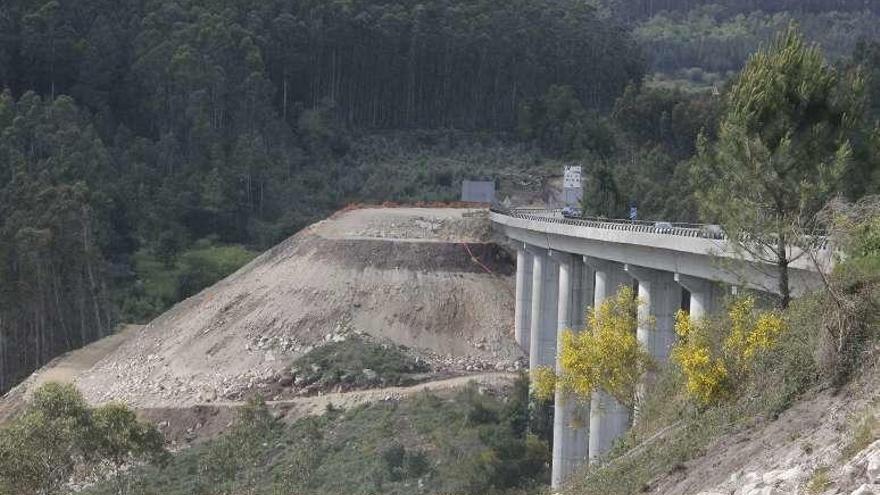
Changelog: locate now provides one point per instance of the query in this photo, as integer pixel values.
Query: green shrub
(161, 281)
(425, 444)
(359, 362)
(819, 481)
(865, 430)
(59, 436)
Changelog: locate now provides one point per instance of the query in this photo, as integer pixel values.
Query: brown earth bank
(430, 279)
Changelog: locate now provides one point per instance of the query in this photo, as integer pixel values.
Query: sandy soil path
(317, 404)
(186, 426)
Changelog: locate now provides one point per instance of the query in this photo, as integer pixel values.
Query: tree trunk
(782, 262)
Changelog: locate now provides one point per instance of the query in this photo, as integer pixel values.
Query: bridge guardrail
(703, 231)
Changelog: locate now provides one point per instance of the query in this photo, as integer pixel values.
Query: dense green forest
(142, 140)
(150, 147)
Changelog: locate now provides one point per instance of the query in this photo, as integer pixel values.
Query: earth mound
(426, 278)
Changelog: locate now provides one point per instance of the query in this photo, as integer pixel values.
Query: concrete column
(566, 287)
(523, 309)
(582, 293)
(659, 299)
(608, 418)
(702, 294)
(542, 343)
(571, 416)
(550, 311)
(539, 261)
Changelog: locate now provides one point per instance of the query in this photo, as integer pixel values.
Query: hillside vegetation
(139, 132)
(150, 149)
(471, 442)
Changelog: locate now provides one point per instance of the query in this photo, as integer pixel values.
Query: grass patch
(358, 362)
(160, 283)
(864, 432)
(819, 481)
(470, 443)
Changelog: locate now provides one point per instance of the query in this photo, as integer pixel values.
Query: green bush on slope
(472, 443)
(359, 362)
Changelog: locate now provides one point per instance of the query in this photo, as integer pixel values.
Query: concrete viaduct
(564, 265)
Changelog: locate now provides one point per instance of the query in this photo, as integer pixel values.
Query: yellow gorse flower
(607, 354)
(705, 376)
(706, 368)
(543, 382)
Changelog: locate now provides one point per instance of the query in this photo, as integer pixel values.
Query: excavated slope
(425, 278)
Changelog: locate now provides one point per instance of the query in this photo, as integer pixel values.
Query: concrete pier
(659, 299)
(542, 342)
(704, 295)
(571, 416)
(523, 309)
(609, 419)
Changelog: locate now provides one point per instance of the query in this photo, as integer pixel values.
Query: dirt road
(185, 426)
(318, 404)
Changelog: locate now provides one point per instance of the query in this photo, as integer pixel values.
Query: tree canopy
(783, 147)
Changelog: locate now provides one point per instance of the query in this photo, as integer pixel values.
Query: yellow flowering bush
(751, 332)
(714, 354)
(606, 355)
(706, 378)
(543, 383)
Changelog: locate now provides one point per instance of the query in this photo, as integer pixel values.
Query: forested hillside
(705, 42)
(150, 147)
(142, 140)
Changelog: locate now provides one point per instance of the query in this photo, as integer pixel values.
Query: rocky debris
(859, 476)
(420, 227)
(873, 489)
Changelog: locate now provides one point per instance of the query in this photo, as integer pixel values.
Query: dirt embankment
(63, 369)
(427, 278)
(820, 445)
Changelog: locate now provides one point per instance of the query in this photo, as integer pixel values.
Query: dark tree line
(715, 39)
(53, 226)
(633, 10)
(133, 132)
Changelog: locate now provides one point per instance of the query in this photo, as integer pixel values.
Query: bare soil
(63, 369)
(427, 278)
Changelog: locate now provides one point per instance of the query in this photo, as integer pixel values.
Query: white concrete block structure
(566, 265)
